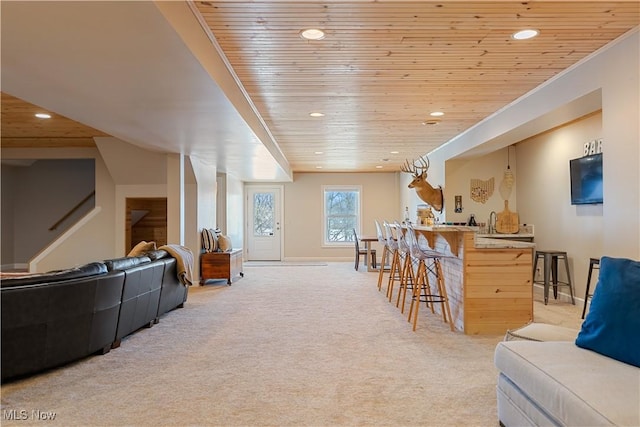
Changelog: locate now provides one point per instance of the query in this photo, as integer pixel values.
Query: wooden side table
(221, 265)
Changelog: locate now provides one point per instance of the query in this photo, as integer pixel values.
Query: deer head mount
(424, 190)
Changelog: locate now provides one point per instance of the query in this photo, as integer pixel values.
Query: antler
(412, 168)
(409, 168)
(425, 163)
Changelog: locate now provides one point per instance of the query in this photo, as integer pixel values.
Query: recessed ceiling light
(316, 114)
(43, 115)
(318, 167)
(430, 122)
(529, 33)
(436, 114)
(319, 152)
(394, 152)
(312, 34)
(378, 167)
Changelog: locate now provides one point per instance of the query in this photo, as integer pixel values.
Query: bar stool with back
(395, 272)
(363, 252)
(422, 291)
(407, 277)
(385, 253)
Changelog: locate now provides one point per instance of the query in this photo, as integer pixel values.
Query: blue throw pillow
(612, 326)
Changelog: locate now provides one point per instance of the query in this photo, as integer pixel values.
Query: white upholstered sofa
(557, 383)
(592, 380)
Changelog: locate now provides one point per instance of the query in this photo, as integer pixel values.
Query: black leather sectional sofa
(54, 318)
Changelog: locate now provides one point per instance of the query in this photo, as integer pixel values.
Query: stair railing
(72, 211)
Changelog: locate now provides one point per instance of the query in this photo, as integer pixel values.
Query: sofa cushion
(572, 385)
(612, 326)
(125, 263)
(541, 332)
(224, 243)
(141, 248)
(209, 240)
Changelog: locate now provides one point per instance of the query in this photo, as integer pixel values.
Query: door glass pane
(263, 214)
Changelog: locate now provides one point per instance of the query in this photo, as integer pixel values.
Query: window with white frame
(341, 212)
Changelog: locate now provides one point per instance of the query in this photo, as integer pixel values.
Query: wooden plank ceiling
(384, 66)
(20, 127)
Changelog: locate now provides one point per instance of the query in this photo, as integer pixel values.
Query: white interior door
(264, 224)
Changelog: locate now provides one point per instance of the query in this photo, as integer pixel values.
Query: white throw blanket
(184, 261)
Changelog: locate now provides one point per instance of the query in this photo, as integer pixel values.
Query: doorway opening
(146, 219)
(264, 223)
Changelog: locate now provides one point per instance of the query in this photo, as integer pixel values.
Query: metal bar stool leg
(593, 263)
(554, 275)
(569, 282)
(547, 273)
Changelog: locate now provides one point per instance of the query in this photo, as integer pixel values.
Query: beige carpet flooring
(313, 345)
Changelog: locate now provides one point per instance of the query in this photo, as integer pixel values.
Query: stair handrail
(72, 211)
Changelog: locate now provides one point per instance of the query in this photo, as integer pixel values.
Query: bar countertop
(480, 241)
(488, 243)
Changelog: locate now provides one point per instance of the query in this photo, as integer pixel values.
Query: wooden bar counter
(488, 280)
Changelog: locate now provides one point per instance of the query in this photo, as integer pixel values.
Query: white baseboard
(318, 259)
(563, 296)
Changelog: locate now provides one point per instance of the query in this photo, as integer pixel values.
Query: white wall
(543, 182)
(235, 210)
(619, 74)
(201, 204)
(230, 208)
(221, 202)
(459, 174)
(303, 210)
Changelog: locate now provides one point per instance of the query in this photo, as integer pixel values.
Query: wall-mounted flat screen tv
(586, 180)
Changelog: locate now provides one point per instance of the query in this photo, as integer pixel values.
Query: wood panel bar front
(488, 281)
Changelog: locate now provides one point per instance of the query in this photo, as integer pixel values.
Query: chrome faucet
(492, 222)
